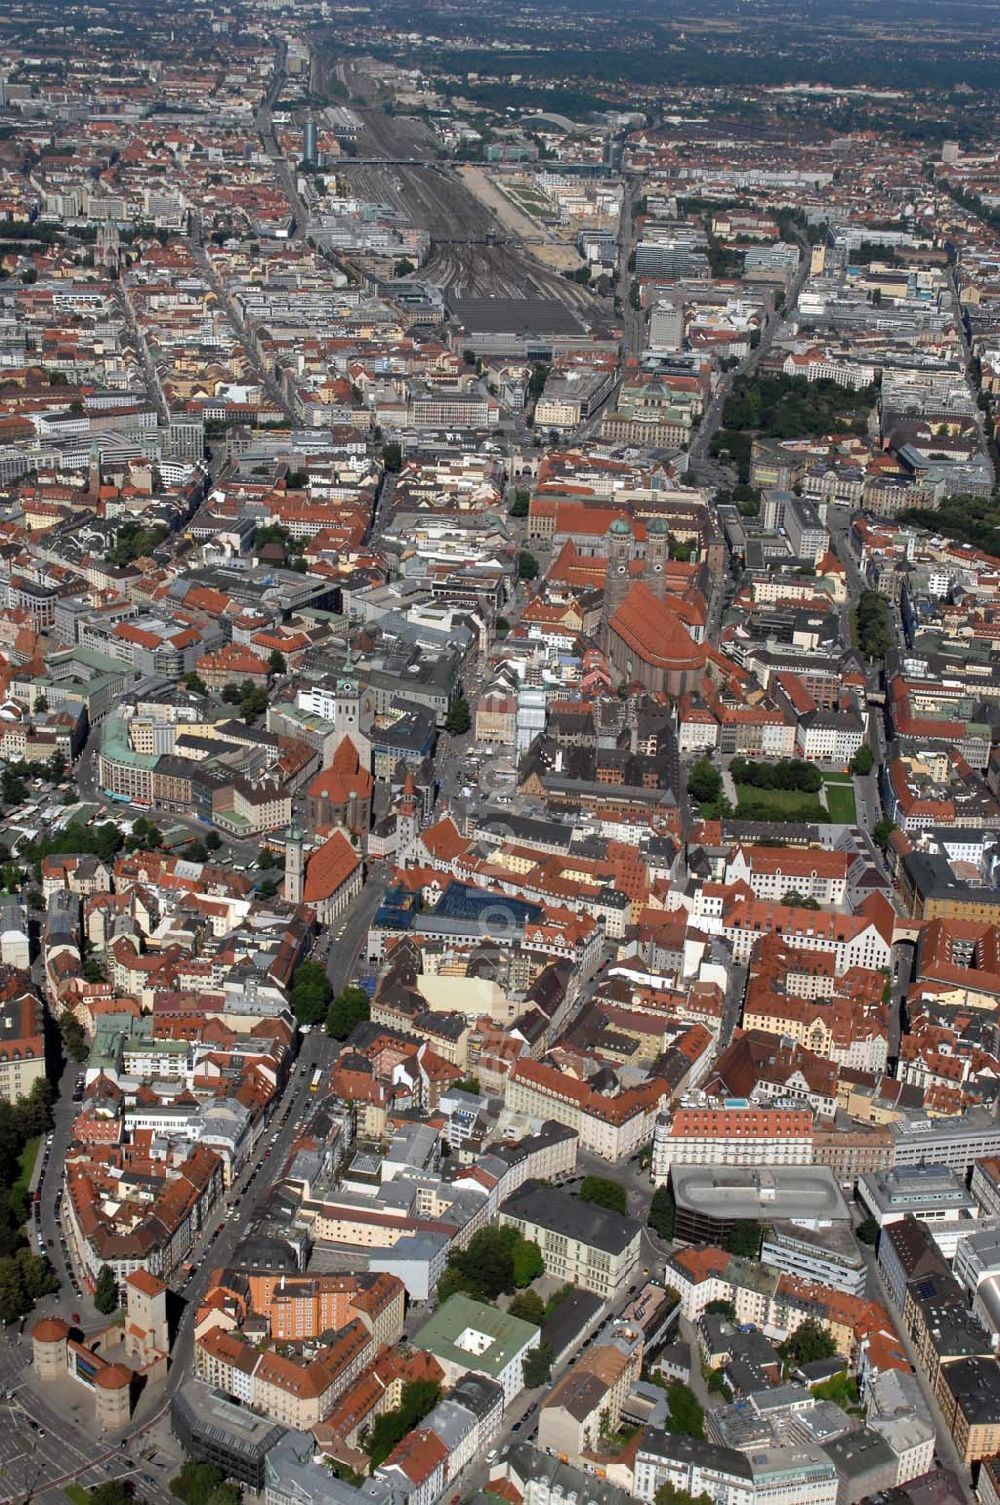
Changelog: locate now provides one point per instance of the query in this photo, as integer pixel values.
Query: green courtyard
(840, 798)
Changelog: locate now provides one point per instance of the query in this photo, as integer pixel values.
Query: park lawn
(842, 1390)
(840, 801)
(77, 1494)
(27, 1163)
(777, 804)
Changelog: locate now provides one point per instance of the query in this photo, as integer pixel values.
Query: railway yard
(472, 253)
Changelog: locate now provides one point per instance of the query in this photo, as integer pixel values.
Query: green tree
(349, 1009)
(810, 1341)
(863, 760)
(276, 661)
(527, 1263)
(144, 836)
(38, 1279)
(311, 993)
(73, 1037)
(485, 1269)
(603, 1192)
(195, 684)
(454, 1280)
(103, 841)
(133, 541)
(14, 1301)
(529, 1306)
(686, 1415)
(417, 1400)
(527, 566)
(720, 1308)
(873, 624)
(196, 851)
(272, 533)
(882, 830)
(704, 781)
(403, 268)
(670, 1494)
(114, 1492)
(747, 499)
(267, 857)
(558, 1297)
(213, 841)
(392, 457)
(459, 718)
(253, 701)
(203, 1484)
(743, 1239)
(662, 1212)
(537, 1368)
(13, 789)
(106, 1291)
(792, 897)
(868, 1231)
(231, 694)
(521, 504)
(267, 888)
(537, 380)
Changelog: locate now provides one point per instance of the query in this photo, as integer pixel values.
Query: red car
(75, 1318)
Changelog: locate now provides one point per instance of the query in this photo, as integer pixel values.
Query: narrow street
(946, 1449)
(269, 385)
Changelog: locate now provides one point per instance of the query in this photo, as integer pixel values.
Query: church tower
(293, 865)
(108, 247)
(94, 471)
(617, 578)
(657, 555)
(407, 820)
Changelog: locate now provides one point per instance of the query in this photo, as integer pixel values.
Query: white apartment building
(772, 872)
(853, 940)
(714, 1135)
(897, 1411)
(775, 1475)
(829, 736)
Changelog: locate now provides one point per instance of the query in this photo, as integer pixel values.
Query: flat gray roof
(803, 1192)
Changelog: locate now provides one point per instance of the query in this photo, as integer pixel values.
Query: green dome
(657, 525)
(620, 526)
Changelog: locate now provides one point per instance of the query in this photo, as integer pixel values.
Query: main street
(633, 319)
(265, 129)
(867, 798)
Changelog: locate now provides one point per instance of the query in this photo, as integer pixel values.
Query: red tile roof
(654, 632)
